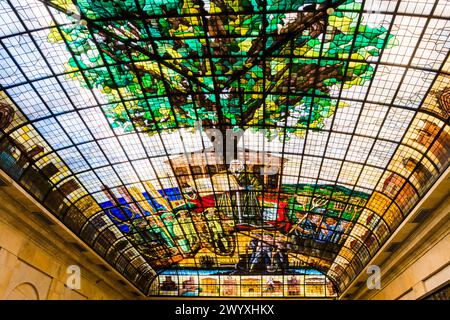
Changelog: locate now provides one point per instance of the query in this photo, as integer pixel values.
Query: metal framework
(107, 109)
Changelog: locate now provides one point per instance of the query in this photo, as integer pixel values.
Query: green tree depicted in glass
(167, 64)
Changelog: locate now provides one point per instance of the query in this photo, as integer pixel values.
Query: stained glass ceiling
(227, 148)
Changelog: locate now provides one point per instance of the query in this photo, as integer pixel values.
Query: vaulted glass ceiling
(227, 148)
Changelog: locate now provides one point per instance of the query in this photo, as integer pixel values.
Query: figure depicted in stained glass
(307, 225)
(220, 240)
(293, 286)
(266, 253)
(148, 241)
(168, 284)
(260, 257)
(158, 231)
(175, 230)
(247, 204)
(137, 231)
(188, 228)
(327, 230)
(279, 258)
(269, 285)
(339, 231)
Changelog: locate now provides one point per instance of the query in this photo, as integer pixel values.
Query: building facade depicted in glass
(218, 148)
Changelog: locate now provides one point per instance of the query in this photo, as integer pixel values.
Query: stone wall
(34, 258)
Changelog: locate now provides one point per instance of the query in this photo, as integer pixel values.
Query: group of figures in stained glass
(183, 233)
(301, 219)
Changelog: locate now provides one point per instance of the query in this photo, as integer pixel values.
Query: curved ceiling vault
(112, 115)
